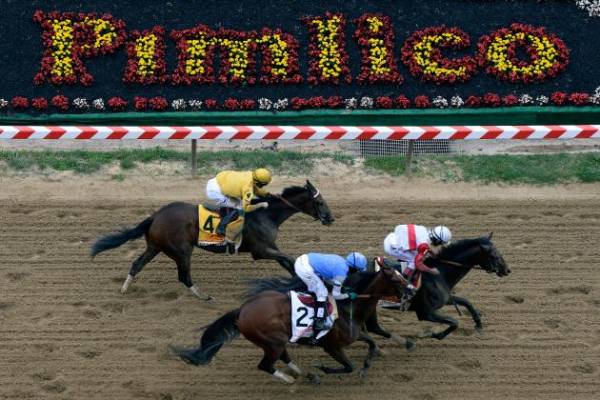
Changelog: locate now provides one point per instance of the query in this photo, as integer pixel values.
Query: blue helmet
(357, 260)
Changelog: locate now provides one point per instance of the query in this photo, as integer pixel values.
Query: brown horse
(174, 230)
(264, 319)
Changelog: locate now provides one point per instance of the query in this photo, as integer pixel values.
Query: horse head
(309, 200)
(480, 251)
(491, 259)
(387, 281)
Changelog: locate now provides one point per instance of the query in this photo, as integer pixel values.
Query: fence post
(409, 155)
(194, 158)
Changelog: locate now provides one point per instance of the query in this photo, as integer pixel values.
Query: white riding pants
(407, 256)
(213, 192)
(308, 276)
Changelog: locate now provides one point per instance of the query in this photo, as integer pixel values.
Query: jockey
(235, 190)
(313, 268)
(411, 244)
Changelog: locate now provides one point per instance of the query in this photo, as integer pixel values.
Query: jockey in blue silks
(313, 268)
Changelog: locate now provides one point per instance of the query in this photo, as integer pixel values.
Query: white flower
(3, 103)
(81, 103)
(457, 101)
(178, 104)
(592, 6)
(351, 103)
(525, 99)
(195, 104)
(264, 104)
(440, 102)
(366, 102)
(281, 104)
(542, 100)
(98, 104)
(595, 98)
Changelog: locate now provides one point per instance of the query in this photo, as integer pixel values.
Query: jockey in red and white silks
(411, 243)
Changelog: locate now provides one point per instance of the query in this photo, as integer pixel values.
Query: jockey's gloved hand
(352, 296)
(263, 204)
(336, 292)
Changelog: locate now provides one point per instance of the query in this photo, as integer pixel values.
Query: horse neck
(279, 211)
(365, 307)
(453, 274)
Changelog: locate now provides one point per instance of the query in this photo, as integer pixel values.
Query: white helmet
(440, 235)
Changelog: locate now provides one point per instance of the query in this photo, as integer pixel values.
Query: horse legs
(273, 253)
(433, 316)
(182, 258)
(296, 370)
(472, 310)
(373, 351)
(138, 265)
(267, 364)
(338, 354)
(372, 325)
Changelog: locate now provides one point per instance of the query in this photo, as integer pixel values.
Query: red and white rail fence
(269, 132)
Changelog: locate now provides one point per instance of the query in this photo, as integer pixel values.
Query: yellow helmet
(262, 175)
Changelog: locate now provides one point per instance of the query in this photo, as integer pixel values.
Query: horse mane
(456, 249)
(288, 192)
(359, 281)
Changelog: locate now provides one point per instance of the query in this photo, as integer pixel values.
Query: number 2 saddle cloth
(208, 220)
(303, 310)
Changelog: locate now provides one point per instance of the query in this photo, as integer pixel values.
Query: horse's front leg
(472, 310)
(372, 325)
(371, 354)
(338, 354)
(433, 316)
(273, 253)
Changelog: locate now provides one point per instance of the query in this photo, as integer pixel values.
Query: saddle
(209, 216)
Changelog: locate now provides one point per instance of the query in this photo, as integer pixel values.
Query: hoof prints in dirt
(16, 276)
(468, 365)
(88, 354)
(584, 368)
(55, 387)
(514, 299)
(570, 290)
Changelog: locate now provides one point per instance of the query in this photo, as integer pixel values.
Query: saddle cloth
(208, 220)
(302, 315)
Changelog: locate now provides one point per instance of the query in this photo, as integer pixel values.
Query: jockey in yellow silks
(235, 190)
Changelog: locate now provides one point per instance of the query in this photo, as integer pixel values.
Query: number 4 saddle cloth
(208, 220)
(303, 310)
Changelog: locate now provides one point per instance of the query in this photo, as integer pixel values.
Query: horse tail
(218, 333)
(117, 239)
(281, 285)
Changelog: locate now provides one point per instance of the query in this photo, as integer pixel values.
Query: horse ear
(490, 235)
(310, 185)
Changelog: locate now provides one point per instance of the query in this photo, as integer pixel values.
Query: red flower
(60, 102)
(384, 102)
(473, 101)
(492, 100)
(231, 104)
(559, 98)
(248, 104)
(39, 103)
(422, 102)
(298, 103)
(579, 99)
(117, 103)
(19, 103)
(510, 100)
(158, 103)
(211, 104)
(316, 102)
(402, 102)
(140, 103)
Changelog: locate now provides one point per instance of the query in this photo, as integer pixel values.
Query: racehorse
(454, 262)
(265, 320)
(174, 230)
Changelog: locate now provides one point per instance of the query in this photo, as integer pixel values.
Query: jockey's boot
(320, 318)
(226, 219)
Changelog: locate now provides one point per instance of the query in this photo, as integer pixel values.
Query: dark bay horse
(454, 262)
(174, 230)
(264, 319)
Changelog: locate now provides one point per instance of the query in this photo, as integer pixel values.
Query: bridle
(294, 207)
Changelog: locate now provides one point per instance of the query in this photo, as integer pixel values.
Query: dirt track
(67, 333)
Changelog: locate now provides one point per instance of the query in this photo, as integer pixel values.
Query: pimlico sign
(518, 53)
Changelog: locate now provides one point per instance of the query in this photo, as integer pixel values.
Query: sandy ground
(67, 333)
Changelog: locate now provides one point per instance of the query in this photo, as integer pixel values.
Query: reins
(286, 202)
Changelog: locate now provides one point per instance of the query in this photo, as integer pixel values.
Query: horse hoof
(363, 373)
(410, 345)
(313, 379)
(479, 330)
(209, 299)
